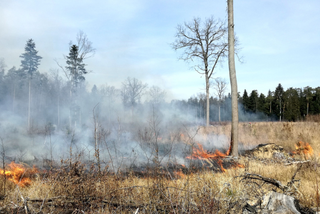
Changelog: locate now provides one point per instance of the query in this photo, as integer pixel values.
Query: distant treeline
(293, 104)
(50, 100)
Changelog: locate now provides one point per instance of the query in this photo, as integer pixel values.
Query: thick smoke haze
(126, 129)
(46, 118)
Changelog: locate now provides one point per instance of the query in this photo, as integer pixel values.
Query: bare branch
(156, 94)
(132, 90)
(205, 43)
(220, 85)
(85, 46)
(65, 72)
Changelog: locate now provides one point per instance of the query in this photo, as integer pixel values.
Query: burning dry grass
(76, 188)
(285, 134)
(63, 192)
(203, 192)
(19, 174)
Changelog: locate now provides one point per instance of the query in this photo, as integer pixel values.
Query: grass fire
(303, 149)
(18, 174)
(211, 158)
(193, 174)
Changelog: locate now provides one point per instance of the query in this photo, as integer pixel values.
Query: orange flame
(18, 174)
(303, 148)
(202, 154)
(179, 174)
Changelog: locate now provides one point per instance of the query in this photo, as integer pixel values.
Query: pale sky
(280, 40)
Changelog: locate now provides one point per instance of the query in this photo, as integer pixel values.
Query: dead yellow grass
(285, 134)
(203, 192)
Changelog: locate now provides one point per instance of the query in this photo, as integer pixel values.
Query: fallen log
(284, 188)
(297, 162)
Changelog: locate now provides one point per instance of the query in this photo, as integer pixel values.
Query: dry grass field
(75, 188)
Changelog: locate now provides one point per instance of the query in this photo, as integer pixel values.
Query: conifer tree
(278, 96)
(245, 100)
(262, 106)
(29, 63)
(76, 69)
(291, 104)
(253, 101)
(269, 101)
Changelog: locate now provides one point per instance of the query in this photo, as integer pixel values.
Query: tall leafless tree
(233, 81)
(156, 95)
(57, 80)
(219, 86)
(131, 92)
(85, 46)
(204, 43)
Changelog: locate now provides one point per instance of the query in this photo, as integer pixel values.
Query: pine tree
(291, 105)
(278, 96)
(76, 69)
(316, 100)
(308, 94)
(245, 100)
(29, 63)
(262, 104)
(253, 101)
(269, 101)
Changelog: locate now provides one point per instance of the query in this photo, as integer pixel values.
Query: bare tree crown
(85, 48)
(132, 90)
(205, 41)
(219, 85)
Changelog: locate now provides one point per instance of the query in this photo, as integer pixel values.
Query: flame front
(18, 174)
(303, 148)
(179, 174)
(218, 156)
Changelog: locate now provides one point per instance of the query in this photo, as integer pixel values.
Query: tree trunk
(280, 109)
(219, 112)
(58, 122)
(29, 107)
(14, 97)
(71, 101)
(208, 100)
(233, 81)
(270, 107)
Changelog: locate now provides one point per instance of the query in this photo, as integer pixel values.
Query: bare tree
(219, 85)
(204, 43)
(131, 92)
(108, 92)
(85, 46)
(97, 138)
(57, 79)
(233, 81)
(156, 95)
(3, 155)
